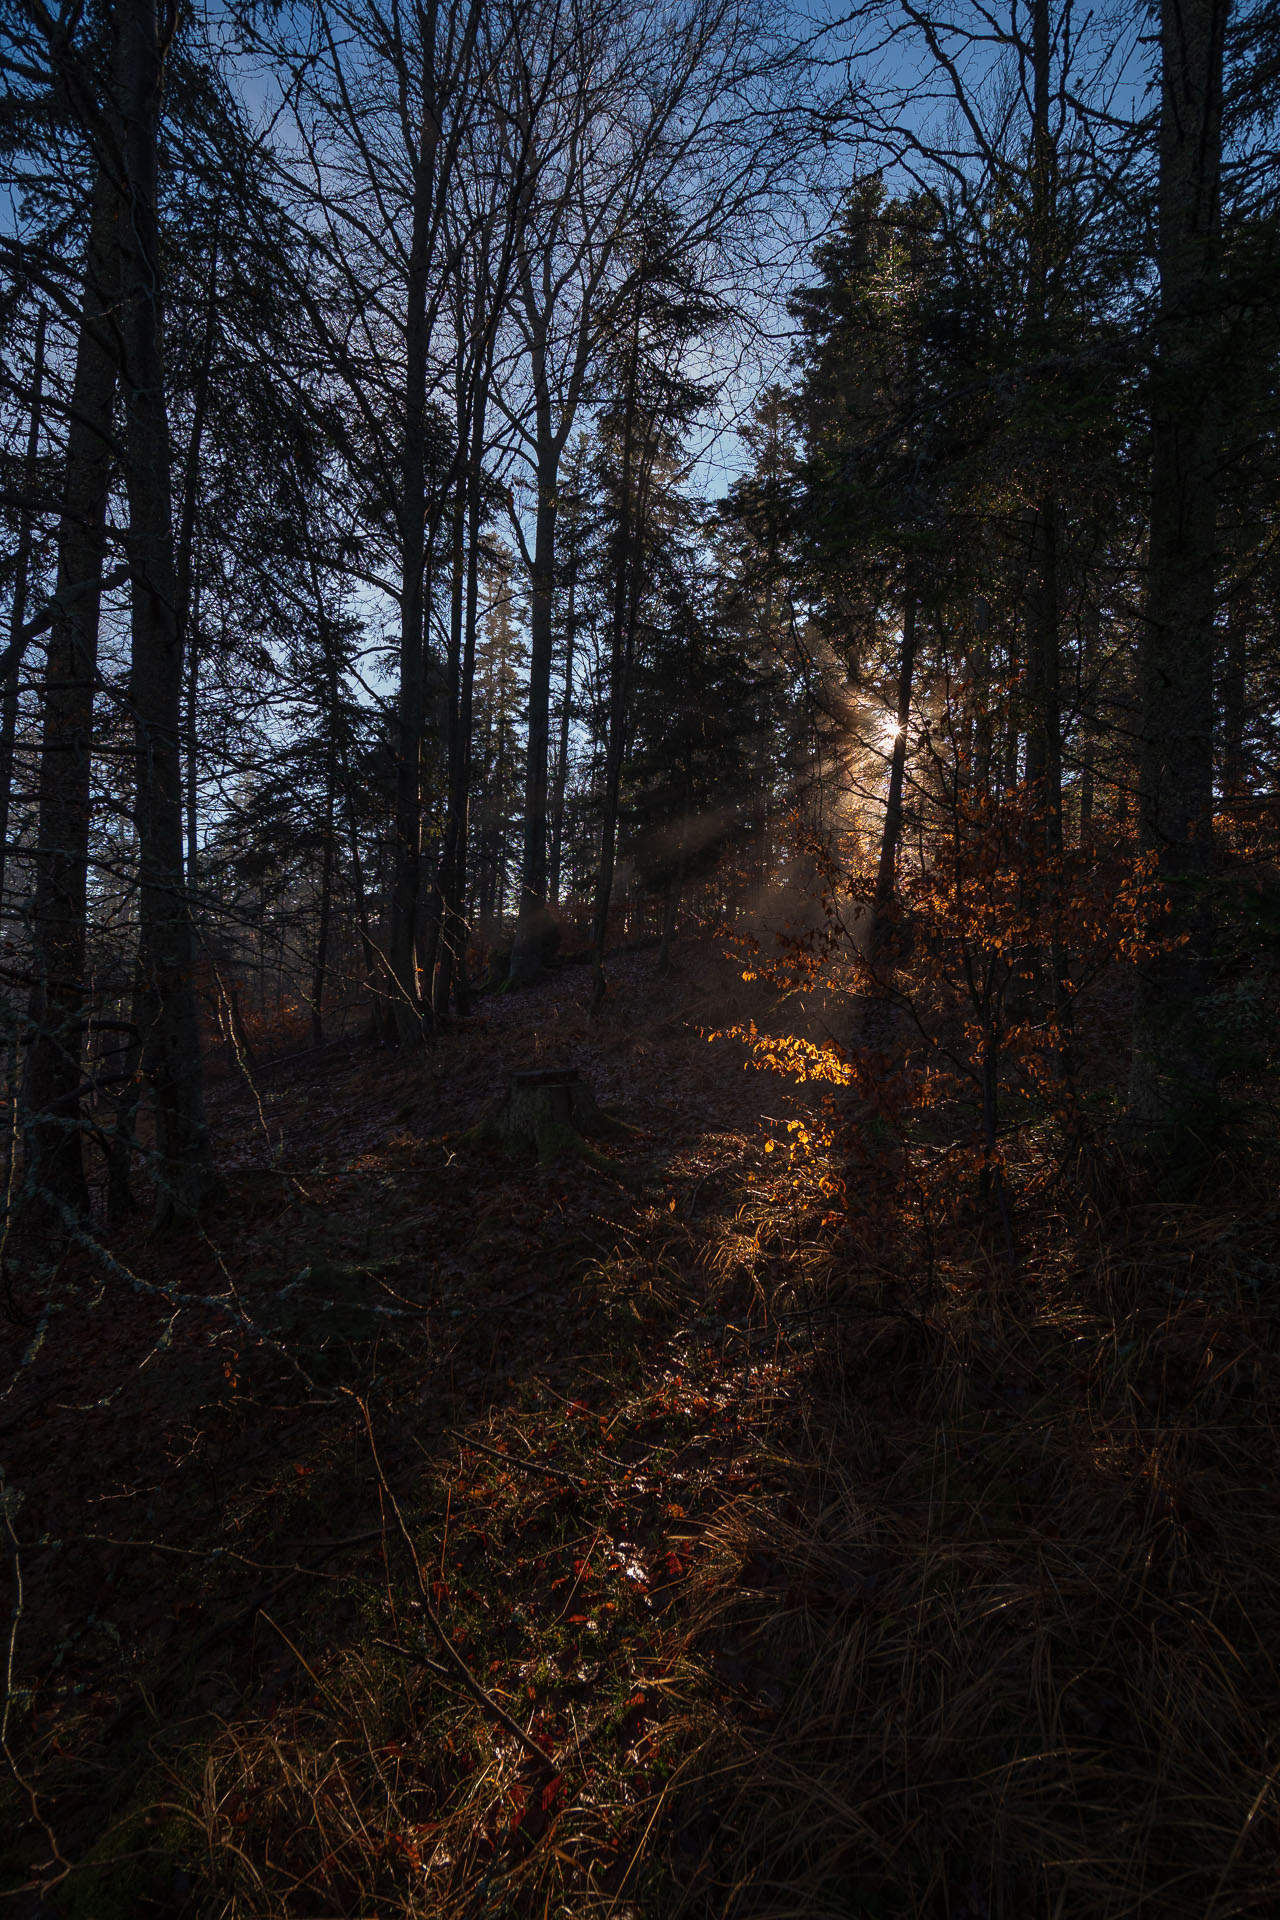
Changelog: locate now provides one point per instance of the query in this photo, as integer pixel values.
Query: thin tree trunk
(189, 597)
(9, 716)
(326, 860)
(460, 800)
(1172, 1078)
(446, 915)
(191, 781)
(404, 1009)
(55, 1178)
(614, 756)
(367, 949)
(1044, 768)
(625, 607)
(675, 889)
(873, 1015)
(1231, 688)
(184, 1172)
(1044, 721)
(531, 923)
(1043, 648)
(562, 746)
(891, 833)
(1089, 624)
(18, 608)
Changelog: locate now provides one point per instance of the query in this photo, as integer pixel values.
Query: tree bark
(1231, 688)
(1041, 881)
(873, 1016)
(404, 1011)
(460, 800)
(438, 965)
(9, 715)
(18, 608)
(625, 610)
(1043, 642)
(328, 847)
(1044, 721)
(54, 1177)
(1172, 1079)
(184, 1172)
(891, 834)
(1090, 621)
(531, 923)
(188, 596)
(562, 745)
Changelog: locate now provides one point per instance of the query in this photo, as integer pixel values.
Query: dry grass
(979, 1617)
(839, 1567)
(1024, 1588)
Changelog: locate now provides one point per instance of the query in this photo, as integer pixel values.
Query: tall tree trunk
(562, 745)
(1044, 720)
(368, 951)
(189, 596)
(891, 833)
(873, 1016)
(625, 610)
(9, 712)
(55, 1178)
(1231, 687)
(460, 798)
(615, 754)
(1044, 774)
(18, 607)
(1090, 621)
(1172, 1082)
(184, 1172)
(320, 970)
(446, 916)
(191, 781)
(532, 918)
(404, 1010)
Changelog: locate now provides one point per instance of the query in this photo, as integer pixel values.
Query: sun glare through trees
(639, 960)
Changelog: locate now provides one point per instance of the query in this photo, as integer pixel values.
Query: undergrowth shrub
(962, 1015)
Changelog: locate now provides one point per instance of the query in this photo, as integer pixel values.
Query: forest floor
(801, 1559)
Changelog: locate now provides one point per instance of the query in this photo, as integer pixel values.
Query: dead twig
(513, 1460)
(418, 1659)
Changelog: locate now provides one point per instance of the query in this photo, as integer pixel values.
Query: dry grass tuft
(1021, 1592)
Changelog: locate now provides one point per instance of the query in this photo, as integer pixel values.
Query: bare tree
(616, 105)
(385, 103)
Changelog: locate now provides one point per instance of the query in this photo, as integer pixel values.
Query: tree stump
(547, 1113)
